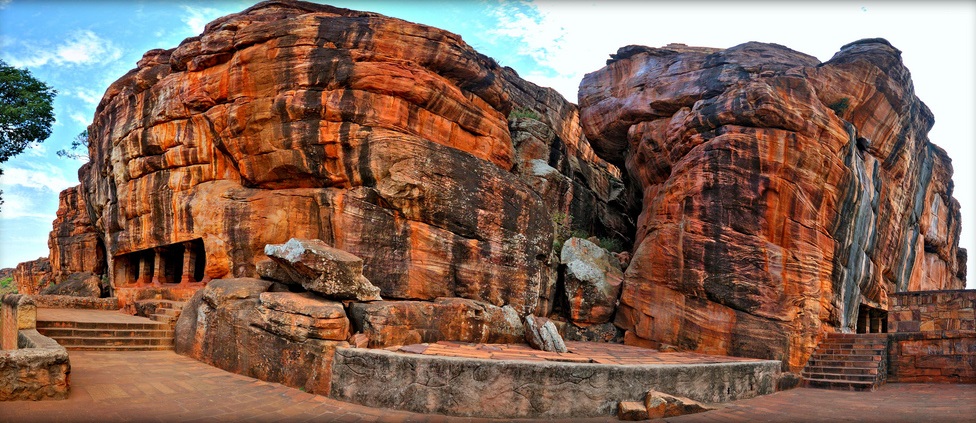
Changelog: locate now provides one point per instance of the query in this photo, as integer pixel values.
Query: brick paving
(162, 386)
(579, 352)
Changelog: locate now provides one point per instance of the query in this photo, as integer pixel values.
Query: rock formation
(380, 137)
(765, 196)
(322, 269)
(33, 276)
(779, 193)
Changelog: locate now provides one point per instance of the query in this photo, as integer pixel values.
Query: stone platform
(515, 381)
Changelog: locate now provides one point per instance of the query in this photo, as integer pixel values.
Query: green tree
(26, 113)
(79, 147)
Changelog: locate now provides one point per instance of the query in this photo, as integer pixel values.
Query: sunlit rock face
(383, 138)
(779, 193)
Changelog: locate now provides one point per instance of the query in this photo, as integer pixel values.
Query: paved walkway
(164, 387)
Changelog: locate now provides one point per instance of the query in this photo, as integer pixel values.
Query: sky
(80, 47)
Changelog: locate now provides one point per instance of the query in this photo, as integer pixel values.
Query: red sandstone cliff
(384, 138)
(779, 193)
(772, 194)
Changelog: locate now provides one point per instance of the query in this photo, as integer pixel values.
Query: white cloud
(89, 96)
(4, 4)
(199, 17)
(17, 206)
(80, 118)
(36, 150)
(80, 48)
(38, 176)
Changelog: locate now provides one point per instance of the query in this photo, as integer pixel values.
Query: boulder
(541, 334)
(631, 411)
(320, 268)
(592, 279)
(222, 325)
(388, 323)
(300, 316)
(659, 404)
(604, 332)
(76, 285)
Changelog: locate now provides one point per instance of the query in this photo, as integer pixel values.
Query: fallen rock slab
(318, 267)
(300, 316)
(659, 404)
(631, 411)
(542, 334)
(388, 323)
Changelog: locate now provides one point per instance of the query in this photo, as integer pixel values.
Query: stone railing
(933, 337)
(32, 366)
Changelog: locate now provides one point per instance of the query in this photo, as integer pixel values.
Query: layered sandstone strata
(380, 137)
(31, 277)
(779, 193)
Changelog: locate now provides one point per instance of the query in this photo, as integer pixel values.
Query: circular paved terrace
(165, 387)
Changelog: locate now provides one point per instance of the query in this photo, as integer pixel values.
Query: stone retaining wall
(34, 366)
(934, 339)
(517, 389)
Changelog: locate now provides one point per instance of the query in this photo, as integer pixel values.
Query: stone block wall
(933, 337)
(32, 366)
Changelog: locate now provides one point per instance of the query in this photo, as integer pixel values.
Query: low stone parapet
(68, 301)
(526, 389)
(932, 357)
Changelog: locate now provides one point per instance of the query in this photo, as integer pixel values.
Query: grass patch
(520, 112)
(840, 106)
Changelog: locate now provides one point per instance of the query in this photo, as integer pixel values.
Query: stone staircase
(167, 311)
(109, 336)
(844, 361)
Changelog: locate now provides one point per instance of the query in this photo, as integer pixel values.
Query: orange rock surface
(779, 193)
(383, 138)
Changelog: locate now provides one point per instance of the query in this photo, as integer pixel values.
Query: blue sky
(80, 47)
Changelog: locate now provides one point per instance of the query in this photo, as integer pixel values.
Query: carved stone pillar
(145, 270)
(189, 263)
(159, 276)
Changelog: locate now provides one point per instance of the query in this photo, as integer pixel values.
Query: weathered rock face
(33, 276)
(779, 193)
(388, 323)
(320, 268)
(74, 242)
(383, 138)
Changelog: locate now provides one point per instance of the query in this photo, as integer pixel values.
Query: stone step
(839, 377)
(833, 336)
(101, 325)
(850, 351)
(848, 345)
(839, 385)
(168, 311)
(120, 348)
(168, 304)
(843, 363)
(73, 341)
(873, 370)
(105, 333)
(848, 357)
